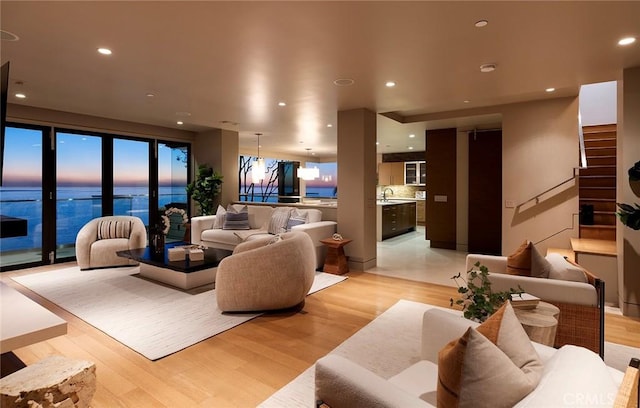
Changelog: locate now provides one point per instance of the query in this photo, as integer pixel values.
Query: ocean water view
(75, 206)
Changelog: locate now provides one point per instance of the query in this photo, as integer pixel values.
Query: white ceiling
(228, 64)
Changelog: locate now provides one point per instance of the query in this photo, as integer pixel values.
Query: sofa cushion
(563, 270)
(110, 229)
(278, 221)
(297, 218)
(494, 365)
(236, 219)
(527, 261)
(573, 377)
(220, 216)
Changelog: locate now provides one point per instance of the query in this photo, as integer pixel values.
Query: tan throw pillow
(540, 267)
(519, 262)
(494, 365)
(109, 229)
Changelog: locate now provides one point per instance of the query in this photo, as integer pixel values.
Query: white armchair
(98, 241)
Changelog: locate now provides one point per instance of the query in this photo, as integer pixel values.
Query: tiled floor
(409, 256)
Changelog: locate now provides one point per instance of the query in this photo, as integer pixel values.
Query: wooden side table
(336, 261)
(540, 323)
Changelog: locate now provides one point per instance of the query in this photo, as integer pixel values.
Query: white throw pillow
(297, 218)
(562, 269)
(573, 377)
(220, 215)
(278, 221)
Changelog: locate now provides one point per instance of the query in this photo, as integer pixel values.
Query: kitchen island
(395, 217)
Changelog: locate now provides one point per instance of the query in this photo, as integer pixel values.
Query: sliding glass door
(21, 197)
(131, 178)
(78, 187)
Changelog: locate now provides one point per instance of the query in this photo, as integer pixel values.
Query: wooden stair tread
(594, 246)
(597, 226)
(567, 253)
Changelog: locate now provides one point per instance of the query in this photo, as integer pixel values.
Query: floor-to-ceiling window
(173, 170)
(56, 180)
(326, 185)
(78, 187)
(131, 178)
(21, 197)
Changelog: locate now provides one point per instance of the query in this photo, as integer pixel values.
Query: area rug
(386, 346)
(153, 319)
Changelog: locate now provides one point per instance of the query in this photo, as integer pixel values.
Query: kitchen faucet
(384, 193)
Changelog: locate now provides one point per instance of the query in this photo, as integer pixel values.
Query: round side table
(335, 261)
(540, 323)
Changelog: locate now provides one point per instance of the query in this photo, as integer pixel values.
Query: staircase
(598, 182)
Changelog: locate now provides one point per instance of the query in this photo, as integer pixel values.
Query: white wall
(598, 103)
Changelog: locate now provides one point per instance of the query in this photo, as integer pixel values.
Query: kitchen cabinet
(398, 219)
(415, 173)
(421, 213)
(391, 173)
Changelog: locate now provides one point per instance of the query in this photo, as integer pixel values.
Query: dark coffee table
(183, 274)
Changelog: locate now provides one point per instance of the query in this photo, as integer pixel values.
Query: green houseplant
(204, 189)
(477, 299)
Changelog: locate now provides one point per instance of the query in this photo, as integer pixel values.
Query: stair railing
(583, 153)
(572, 227)
(537, 196)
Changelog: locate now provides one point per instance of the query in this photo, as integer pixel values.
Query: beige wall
(540, 150)
(628, 240)
(48, 117)
(219, 149)
(357, 185)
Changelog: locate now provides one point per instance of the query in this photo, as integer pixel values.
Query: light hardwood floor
(245, 365)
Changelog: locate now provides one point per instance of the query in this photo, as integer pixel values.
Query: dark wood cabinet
(398, 219)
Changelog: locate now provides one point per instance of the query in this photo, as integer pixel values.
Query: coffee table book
(524, 301)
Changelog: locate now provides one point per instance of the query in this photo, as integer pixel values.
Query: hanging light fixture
(258, 169)
(308, 173)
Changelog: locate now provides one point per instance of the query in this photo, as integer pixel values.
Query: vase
(157, 244)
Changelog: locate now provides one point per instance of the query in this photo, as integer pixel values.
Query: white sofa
(581, 304)
(572, 376)
(204, 233)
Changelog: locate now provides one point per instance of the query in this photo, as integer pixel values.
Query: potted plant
(204, 189)
(477, 300)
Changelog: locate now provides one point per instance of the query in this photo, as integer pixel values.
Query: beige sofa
(581, 304)
(266, 274)
(98, 241)
(204, 233)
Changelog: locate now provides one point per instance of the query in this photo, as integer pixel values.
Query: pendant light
(258, 168)
(308, 173)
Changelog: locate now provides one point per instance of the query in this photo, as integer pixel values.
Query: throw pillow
(108, 229)
(494, 365)
(278, 221)
(220, 215)
(297, 218)
(527, 261)
(236, 220)
(519, 262)
(564, 270)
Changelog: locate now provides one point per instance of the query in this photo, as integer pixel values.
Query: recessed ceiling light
(487, 67)
(282, 104)
(410, 147)
(390, 84)
(180, 122)
(466, 101)
(104, 51)
(412, 135)
(377, 143)
(550, 89)
(329, 125)
(627, 41)
(343, 82)
(481, 23)
(20, 95)
(150, 95)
